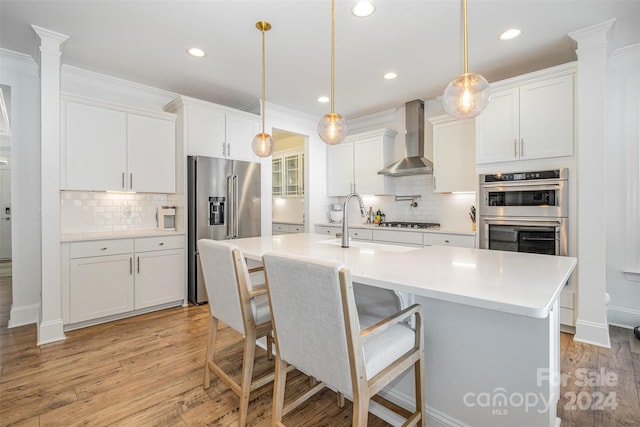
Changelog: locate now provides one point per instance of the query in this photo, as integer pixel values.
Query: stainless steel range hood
(414, 162)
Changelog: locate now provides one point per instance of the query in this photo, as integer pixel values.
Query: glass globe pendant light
(468, 94)
(332, 127)
(262, 143)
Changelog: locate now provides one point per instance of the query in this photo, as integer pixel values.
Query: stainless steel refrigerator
(223, 199)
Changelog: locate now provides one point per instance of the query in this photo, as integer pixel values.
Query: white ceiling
(145, 41)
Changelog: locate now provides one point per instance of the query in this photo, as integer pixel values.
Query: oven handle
(521, 221)
(527, 185)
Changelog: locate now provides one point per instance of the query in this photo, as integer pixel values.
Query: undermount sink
(368, 245)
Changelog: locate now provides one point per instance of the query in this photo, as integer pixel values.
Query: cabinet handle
(446, 241)
(123, 180)
(131, 181)
(103, 249)
(224, 148)
(521, 147)
(138, 265)
(515, 148)
(228, 150)
(161, 244)
(130, 265)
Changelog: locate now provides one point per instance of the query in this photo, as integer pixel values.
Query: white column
(50, 324)
(591, 324)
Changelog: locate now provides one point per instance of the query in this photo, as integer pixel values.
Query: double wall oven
(524, 212)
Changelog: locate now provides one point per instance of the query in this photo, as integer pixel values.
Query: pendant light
(262, 143)
(332, 127)
(469, 93)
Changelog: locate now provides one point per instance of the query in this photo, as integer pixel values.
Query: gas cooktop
(410, 224)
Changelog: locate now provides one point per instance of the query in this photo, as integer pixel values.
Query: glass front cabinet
(288, 173)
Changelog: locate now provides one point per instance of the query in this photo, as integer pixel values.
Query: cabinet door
(454, 166)
(94, 148)
(276, 176)
(546, 118)
(292, 182)
(159, 277)
(339, 169)
(329, 231)
(369, 158)
(240, 133)
(206, 132)
(497, 128)
(100, 286)
(151, 154)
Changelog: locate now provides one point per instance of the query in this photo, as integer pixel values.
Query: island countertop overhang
(510, 282)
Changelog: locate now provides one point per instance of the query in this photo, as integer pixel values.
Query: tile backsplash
(82, 212)
(449, 210)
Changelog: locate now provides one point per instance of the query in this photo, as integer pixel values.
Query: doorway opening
(5, 193)
(289, 181)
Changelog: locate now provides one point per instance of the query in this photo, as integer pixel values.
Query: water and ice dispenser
(216, 210)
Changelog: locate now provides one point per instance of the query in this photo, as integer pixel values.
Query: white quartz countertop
(105, 235)
(446, 230)
(512, 282)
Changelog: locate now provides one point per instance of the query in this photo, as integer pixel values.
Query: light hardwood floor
(148, 371)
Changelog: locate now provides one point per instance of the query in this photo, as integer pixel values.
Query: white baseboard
(24, 315)
(50, 331)
(623, 317)
(592, 333)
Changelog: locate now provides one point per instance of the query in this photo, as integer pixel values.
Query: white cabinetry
(288, 173)
(108, 147)
(353, 165)
(283, 228)
(214, 130)
(402, 238)
(528, 119)
(446, 239)
(104, 278)
(454, 168)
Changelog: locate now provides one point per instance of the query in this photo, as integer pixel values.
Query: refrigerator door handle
(235, 206)
(230, 211)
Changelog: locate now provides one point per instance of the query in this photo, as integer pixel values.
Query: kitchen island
(490, 320)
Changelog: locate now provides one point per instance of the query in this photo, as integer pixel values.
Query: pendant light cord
(466, 49)
(263, 80)
(333, 47)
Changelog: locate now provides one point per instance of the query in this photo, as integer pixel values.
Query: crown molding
(20, 62)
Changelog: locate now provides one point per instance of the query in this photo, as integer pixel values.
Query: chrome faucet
(345, 223)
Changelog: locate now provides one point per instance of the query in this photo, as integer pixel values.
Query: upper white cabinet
(353, 165)
(106, 147)
(288, 173)
(532, 119)
(216, 131)
(454, 168)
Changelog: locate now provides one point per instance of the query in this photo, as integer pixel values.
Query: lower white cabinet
(285, 228)
(111, 277)
(401, 238)
(446, 239)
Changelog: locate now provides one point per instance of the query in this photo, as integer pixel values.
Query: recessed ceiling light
(390, 75)
(197, 52)
(323, 99)
(363, 8)
(510, 34)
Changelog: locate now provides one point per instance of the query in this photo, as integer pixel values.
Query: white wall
(20, 72)
(623, 187)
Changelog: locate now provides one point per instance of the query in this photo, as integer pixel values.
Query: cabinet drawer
(159, 243)
(404, 237)
(443, 239)
(101, 247)
(360, 234)
(327, 231)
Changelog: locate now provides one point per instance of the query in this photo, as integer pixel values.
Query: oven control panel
(525, 176)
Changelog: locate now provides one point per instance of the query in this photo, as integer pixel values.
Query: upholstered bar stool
(234, 301)
(317, 329)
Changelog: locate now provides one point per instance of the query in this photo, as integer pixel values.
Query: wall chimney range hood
(414, 162)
